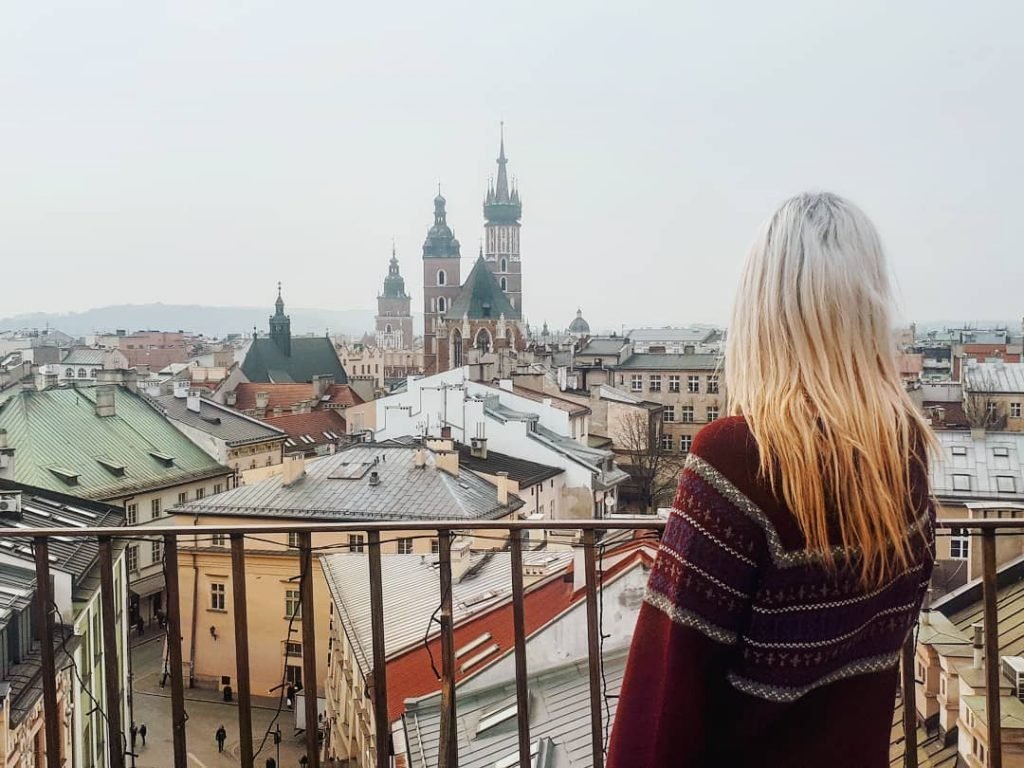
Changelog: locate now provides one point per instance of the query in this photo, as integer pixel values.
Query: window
(218, 488)
(293, 540)
(504, 284)
(636, 383)
(441, 277)
(154, 509)
(457, 349)
(1006, 484)
(673, 383)
(293, 675)
(355, 542)
(958, 450)
(405, 546)
(200, 493)
(666, 442)
(687, 414)
(442, 305)
(1015, 410)
(218, 540)
(156, 551)
(70, 373)
(685, 441)
(712, 385)
(693, 384)
(483, 340)
(959, 544)
(669, 414)
(504, 265)
(292, 648)
(961, 482)
(655, 383)
(131, 513)
(131, 556)
(712, 412)
(435, 545)
(292, 604)
(82, 374)
(218, 596)
(183, 497)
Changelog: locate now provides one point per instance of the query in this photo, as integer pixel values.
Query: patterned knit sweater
(748, 651)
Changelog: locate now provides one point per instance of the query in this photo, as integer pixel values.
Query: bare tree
(982, 409)
(654, 470)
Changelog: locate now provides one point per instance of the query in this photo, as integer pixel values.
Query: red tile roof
(411, 675)
(287, 395)
(313, 425)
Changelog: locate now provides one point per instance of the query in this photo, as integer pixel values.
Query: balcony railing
(985, 529)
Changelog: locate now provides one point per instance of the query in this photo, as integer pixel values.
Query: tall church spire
(281, 325)
(501, 189)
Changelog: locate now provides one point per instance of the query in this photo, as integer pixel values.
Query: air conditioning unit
(1013, 669)
(10, 505)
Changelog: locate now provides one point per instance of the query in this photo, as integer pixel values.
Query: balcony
(908, 747)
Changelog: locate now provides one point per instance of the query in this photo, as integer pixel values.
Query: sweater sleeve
(695, 609)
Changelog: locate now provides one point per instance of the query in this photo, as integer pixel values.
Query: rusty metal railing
(986, 529)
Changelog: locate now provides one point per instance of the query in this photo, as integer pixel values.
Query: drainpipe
(195, 602)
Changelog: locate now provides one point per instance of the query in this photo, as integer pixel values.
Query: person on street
(135, 735)
(142, 732)
(222, 736)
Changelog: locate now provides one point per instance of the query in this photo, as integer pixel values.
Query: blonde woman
(793, 566)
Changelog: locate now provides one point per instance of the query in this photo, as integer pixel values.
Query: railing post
(593, 647)
(174, 651)
(309, 648)
(381, 721)
(241, 615)
(112, 676)
(909, 706)
(448, 753)
(989, 589)
(45, 628)
(519, 630)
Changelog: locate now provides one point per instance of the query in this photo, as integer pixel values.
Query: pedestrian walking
(142, 732)
(135, 735)
(222, 736)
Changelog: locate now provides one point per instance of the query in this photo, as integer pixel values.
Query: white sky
(197, 152)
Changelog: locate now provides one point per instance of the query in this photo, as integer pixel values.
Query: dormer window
(113, 467)
(163, 458)
(66, 476)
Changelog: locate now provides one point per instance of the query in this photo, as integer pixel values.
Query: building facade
(394, 313)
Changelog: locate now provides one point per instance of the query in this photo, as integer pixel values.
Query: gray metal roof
(692, 335)
(85, 356)
(986, 467)
(338, 488)
(660, 362)
(996, 378)
(559, 719)
(218, 420)
(412, 593)
(17, 585)
(605, 345)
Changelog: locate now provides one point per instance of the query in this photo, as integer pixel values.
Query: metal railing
(986, 529)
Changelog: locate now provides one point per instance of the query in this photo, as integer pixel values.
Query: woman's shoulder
(728, 445)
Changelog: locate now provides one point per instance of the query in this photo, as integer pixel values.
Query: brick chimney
(447, 461)
(262, 401)
(105, 403)
(321, 385)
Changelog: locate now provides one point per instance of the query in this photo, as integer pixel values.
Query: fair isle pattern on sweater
(723, 571)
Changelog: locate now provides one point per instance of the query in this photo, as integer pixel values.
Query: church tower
(394, 316)
(441, 280)
(502, 211)
(281, 326)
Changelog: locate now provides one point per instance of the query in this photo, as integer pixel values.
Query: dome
(579, 325)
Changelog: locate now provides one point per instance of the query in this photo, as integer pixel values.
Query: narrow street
(206, 712)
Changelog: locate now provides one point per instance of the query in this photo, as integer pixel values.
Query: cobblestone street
(206, 712)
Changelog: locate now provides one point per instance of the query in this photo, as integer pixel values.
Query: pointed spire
(279, 304)
(501, 190)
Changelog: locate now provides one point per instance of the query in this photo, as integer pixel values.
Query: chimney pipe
(979, 641)
(105, 403)
(419, 459)
(193, 402)
(503, 489)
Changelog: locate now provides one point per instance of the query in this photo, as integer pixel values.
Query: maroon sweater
(748, 652)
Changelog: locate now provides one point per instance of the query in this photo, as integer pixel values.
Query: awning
(148, 585)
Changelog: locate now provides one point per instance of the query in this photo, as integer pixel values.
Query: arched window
(504, 265)
(387, 328)
(442, 305)
(70, 373)
(82, 374)
(504, 284)
(441, 277)
(483, 341)
(456, 349)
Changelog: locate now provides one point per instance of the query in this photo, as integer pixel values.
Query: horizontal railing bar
(974, 526)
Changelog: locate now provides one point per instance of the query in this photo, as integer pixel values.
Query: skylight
(477, 658)
(496, 718)
(512, 760)
(163, 458)
(68, 476)
(472, 644)
(113, 467)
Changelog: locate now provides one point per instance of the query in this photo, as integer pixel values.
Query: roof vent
(375, 478)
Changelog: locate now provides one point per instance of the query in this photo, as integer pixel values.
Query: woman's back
(752, 651)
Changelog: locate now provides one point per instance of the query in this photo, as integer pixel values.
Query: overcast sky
(197, 152)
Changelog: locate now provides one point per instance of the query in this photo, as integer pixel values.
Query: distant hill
(210, 321)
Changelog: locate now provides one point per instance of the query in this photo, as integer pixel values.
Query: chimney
(461, 557)
(502, 489)
(193, 401)
(419, 459)
(6, 457)
(294, 469)
(978, 643)
(926, 607)
(105, 400)
(109, 376)
(262, 401)
(181, 390)
(321, 385)
(131, 380)
(446, 433)
(447, 461)
(231, 398)
(506, 384)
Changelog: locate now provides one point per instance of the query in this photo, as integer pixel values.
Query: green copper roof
(310, 356)
(62, 445)
(481, 297)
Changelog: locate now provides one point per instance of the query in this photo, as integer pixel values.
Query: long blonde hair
(810, 362)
